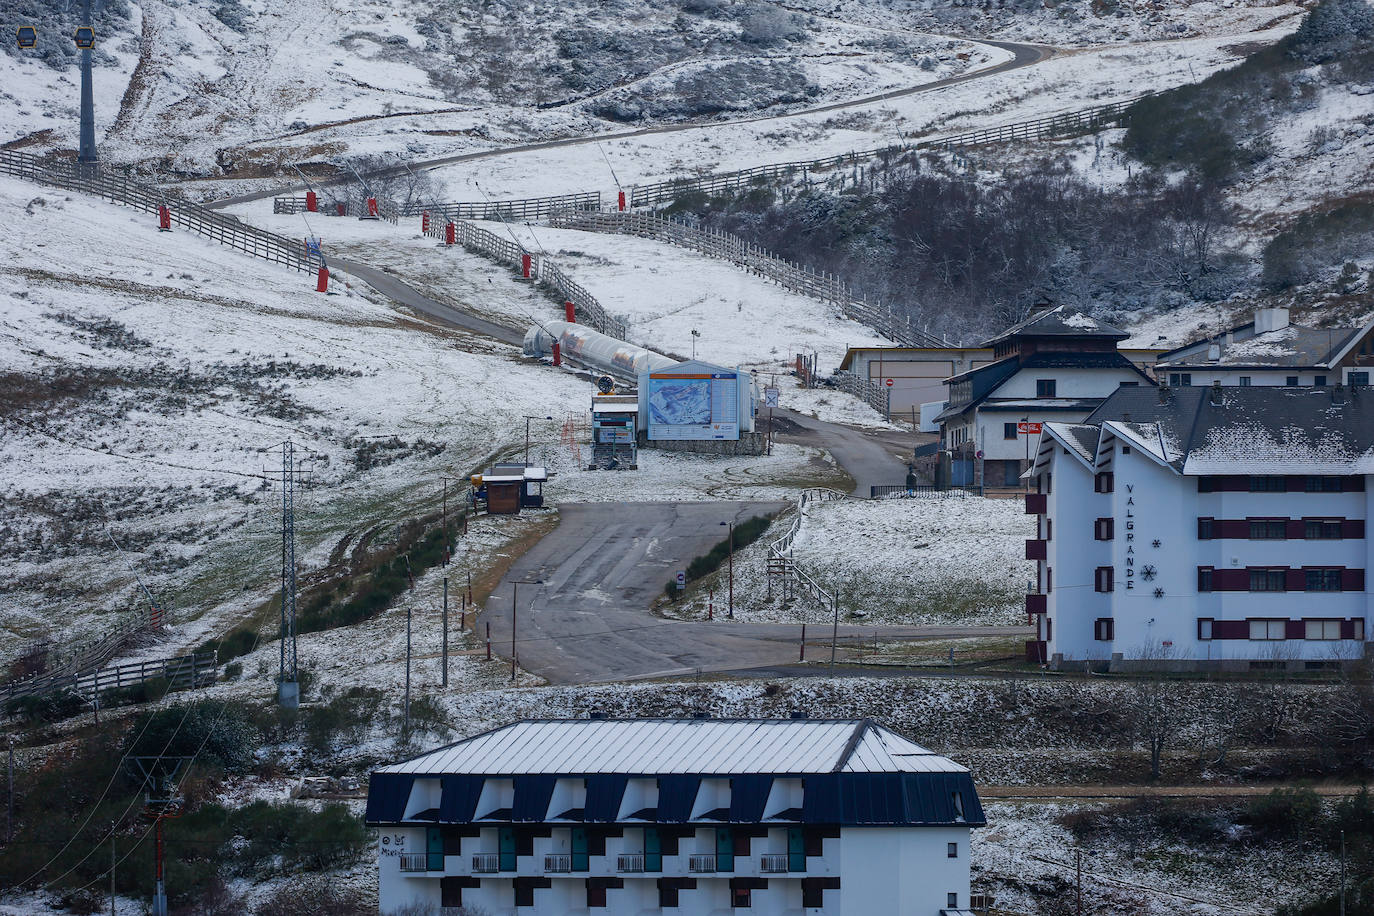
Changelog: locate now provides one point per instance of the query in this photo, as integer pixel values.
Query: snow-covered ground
(931, 560)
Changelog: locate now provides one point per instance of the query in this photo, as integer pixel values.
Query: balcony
(1035, 549)
(1036, 503)
(630, 864)
(415, 861)
(1037, 604)
(557, 864)
(486, 863)
(773, 864)
(701, 865)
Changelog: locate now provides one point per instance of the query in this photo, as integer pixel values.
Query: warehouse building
(639, 816)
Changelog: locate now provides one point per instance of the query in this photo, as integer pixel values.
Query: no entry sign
(1028, 429)
(888, 383)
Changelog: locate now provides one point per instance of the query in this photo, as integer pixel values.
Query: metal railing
(182, 672)
(527, 208)
(875, 395)
(773, 864)
(631, 863)
(486, 863)
(480, 241)
(701, 864)
(414, 861)
(1067, 124)
(717, 243)
(558, 864)
(921, 490)
(218, 227)
(780, 555)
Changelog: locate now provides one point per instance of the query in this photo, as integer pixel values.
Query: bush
(221, 733)
(1284, 812)
(1318, 241)
(746, 533)
(49, 707)
(1332, 29)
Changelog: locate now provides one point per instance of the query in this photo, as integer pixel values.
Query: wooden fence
(717, 243)
(519, 210)
(112, 186)
(182, 672)
(542, 269)
(874, 394)
(1067, 124)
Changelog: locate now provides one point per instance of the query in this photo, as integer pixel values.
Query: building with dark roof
(1055, 366)
(677, 815)
(1273, 351)
(1205, 527)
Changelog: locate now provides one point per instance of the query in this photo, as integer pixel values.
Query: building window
(1322, 485)
(1049, 628)
(1268, 529)
(1104, 529)
(667, 895)
(1265, 579)
(1049, 529)
(1008, 430)
(1291, 381)
(741, 897)
(1205, 529)
(1102, 580)
(1319, 381)
(951, 850)
(1181, 379)
(1357, 629)
(1322, 529)
(1104, 629)
(1323, 580)
(1268, 629)
(1044, 388)
(952, 900)
(1268, 484)
(1322, 629)
(1204, 628)
(1245, 381)
(1125, 449)
(1104, 482)
(1359, 378)
(1049, 580)
(1204, 578)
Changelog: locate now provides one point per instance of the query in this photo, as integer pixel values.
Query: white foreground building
(641, 816)
(1198, 527)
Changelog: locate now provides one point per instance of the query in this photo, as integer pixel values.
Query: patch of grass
(745, 533)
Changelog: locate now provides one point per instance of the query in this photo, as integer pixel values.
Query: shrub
(1284, 812)
(221, 733)
(1317, 241)
(1331, 29)
(746, 533)
(45, 707)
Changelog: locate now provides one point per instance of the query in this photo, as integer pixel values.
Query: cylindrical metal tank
(592, 348)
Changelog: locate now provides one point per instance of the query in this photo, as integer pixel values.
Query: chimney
(1272, 319)
(1216, 393)
(597, 715)
(1125, 416)
(1213, 352)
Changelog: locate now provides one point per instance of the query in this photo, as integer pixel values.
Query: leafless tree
(1155, 711)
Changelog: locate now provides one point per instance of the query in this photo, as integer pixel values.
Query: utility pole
(835, 628)
(86, 154)
(445, 523)
(407, 721)
(444, 650)
(159, 803)
(112, 872)
(288, 687)
(514, 610)
(9, 817)
(1342, 895)
(1078, 882)
(730, 606)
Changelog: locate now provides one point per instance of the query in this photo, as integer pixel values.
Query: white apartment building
(1205, 527)
(640, 816)
(1056, 366)
(1271, 350)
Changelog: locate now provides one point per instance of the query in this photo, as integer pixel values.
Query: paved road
(1024, 55)
(869, 457)
(588, 618)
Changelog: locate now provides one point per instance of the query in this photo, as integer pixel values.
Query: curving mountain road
(1023, 55)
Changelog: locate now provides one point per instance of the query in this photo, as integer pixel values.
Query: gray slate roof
(1293, 347)
(1059, 322)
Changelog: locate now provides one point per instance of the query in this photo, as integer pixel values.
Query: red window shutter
(1353, 484)
(1347, 629)
(1231, 580)
(1295, 629)
(1230, 629)
(741, 843)
(1352, 580)
(1352, 528)
(1296, 529)
(1237, 528)
(1296, 580)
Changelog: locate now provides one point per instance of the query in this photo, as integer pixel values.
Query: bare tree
(1155, 711)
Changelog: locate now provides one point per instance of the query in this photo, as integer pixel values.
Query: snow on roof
(693, 746)
(1293, 346)
(603, 407)
(1079, 438)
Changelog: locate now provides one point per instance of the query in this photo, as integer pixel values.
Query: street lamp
(528, 418)
(514, 610)
(695, 335)
(730, 608)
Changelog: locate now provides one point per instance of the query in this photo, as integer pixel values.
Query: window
(1245, 381)
(1291, 381)
(1125, 449)
(1008, 430)
(1322, 484)
(1049, 529)
(1205, 529)
(1204, 628)
(1044, 388)
(1180, 379)
(1268, 629)
(1102, 579)
(1268, 484)
(952, 850)
(1322, 529)
(1104, 629)
(1322, 629)
(1104, 529)
(1359, 378)
(1268, 529)
(1104, 482)
(1204, 578)
(1319, 381)
(1049, 580)
(741, 897)
(667, 894)
(1265, 579)
(952, 900)
(1322, 580)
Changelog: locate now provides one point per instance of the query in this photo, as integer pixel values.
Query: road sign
(770, 397)
(26, 36)
(1027, 429)
(84, 38)
(681, 578)
(888, 383)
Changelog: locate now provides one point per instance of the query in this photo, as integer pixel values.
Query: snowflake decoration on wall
(1159, 593)
(1155, 543)
(1148, 573)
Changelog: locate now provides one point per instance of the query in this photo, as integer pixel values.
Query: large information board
(693, 405)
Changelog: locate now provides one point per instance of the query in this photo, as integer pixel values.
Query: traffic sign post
(26, 36)
(681, 580)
